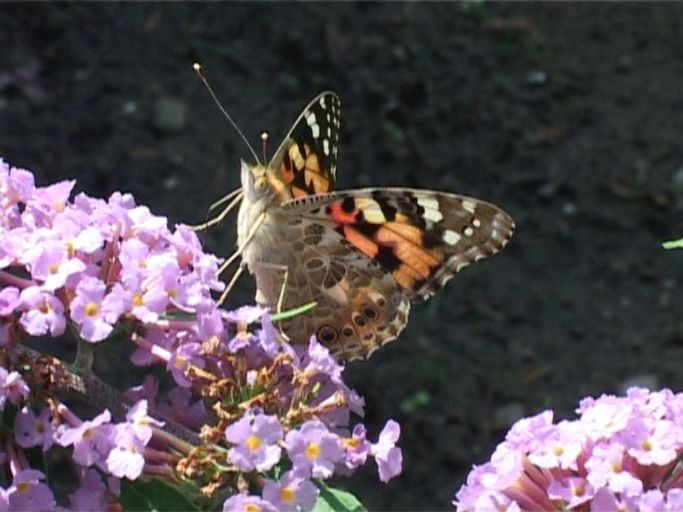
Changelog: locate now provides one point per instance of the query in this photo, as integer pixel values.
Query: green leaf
(153, 495)
(673, 244)
(336, 500)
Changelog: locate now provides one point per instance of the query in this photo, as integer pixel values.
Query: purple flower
(247, 503)
(357, 447)
(44, 312)
(322, 362)
(653, 443)
(141, 422)
(92, 311)
(389, 458)
(50, 263)
(256, 437)
(31, 431)
(573, 491)
(184, 356)
(606, 469)
(620, 454)
(12, 388)
(91, 439)
(91, 495)
(180, 409)
(126, 460)
(313, 449)
(146, 298)
(291, 493)
(29, 493)
(9, 300)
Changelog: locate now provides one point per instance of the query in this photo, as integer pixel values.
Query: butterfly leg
(277, 269)
(235, 195)
(231, 284)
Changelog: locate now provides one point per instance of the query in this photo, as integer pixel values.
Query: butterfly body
(362, 255)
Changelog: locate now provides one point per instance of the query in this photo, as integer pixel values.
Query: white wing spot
(468, 205)
(450, 237)
(329, 131)
(315, 128)
(431, 209)
(476, 223)
(322, 103)
(468, 231)
(326, 147)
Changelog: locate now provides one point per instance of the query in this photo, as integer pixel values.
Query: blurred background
(568, 116)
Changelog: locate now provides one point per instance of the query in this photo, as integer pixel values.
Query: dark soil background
(569, 116)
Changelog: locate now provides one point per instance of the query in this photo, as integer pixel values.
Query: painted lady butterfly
(362, 255)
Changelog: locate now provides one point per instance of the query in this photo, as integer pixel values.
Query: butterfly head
(258, 184)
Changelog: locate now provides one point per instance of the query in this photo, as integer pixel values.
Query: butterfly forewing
(306, 161)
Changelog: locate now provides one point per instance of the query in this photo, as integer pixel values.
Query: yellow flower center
(253, 442)
(616, 467)
(252, 507)
(646, 445)
(558, 450)
(40, 427)
(23, 486)
(352, 443)
(53, 268)
(579, 490)
(58, 206)
(137, 300)
(91, 309)
(287, 495)
(70, 248)
(312, 451)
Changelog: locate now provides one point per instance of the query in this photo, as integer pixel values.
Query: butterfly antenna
(198, 71)
(264, 140)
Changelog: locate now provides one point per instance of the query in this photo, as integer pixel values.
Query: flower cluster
(623, 453)
(248, 415)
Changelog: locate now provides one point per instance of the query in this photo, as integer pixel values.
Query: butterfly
(361, 255)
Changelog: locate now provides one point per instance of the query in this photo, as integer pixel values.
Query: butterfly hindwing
(306, 161)
(421, 237)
